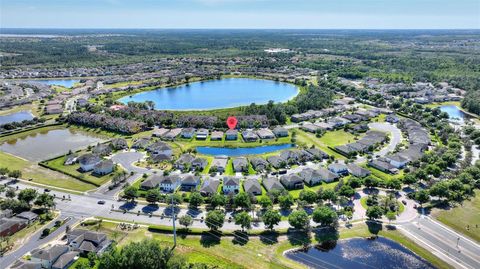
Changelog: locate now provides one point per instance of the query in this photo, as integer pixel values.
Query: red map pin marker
(232, 122)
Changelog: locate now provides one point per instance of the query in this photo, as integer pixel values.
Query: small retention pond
(454, 113)
(359, 253)
(47, 144)
(242, 151)
(16, 117)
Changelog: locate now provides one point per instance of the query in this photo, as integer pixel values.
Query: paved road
(128, 158)
(434, 236)
(442, 241)
(395, 138)
(35, 242)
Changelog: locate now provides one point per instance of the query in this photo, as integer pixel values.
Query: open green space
(308, 139)
(265, 251)
(38, 174)
(461, 216)
(337, 138)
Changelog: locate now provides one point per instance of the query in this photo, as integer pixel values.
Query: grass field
(255, 252)
(33, 108)
(42, 175)
(308, 139)
(460, 216)
(58, 165)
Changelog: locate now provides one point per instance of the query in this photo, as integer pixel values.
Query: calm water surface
(16, 117)
(67, 83)
(359, 253)
(223, 93)
(454, 113)
(47, 144)
(241, 151)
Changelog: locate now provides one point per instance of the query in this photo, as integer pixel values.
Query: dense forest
(391, 55)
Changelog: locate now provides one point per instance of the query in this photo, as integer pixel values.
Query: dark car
(46, 190)
(101, 202)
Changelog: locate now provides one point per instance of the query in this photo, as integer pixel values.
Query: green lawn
(73, 170)
(324, 185)
(308, 139)
(337, 138)
(42, 175)
(460, 216)
(226, 252)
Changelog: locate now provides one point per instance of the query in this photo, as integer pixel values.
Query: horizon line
(212, 28)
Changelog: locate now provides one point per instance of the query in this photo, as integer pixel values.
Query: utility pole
(173, 223)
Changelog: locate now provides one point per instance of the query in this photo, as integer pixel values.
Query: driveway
(128, 158)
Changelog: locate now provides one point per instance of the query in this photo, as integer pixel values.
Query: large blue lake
(241, 151)
(67, 83)
(212, 94)
(16, 117)
(359, 253)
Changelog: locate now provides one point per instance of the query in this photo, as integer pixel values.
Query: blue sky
(318, 14)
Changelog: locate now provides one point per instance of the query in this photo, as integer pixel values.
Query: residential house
(29, 216)
(151, 183)
(252, 186)
(188, 133)
(160, 151)
(357, 171)
(53, 109)
(199, 163)
(48, 256)
(160, 132)
(249, 136)
(231, 134)
(271, 184)
(231, 185)
(259, 164)
(189, 182)
(65, 260)
(277, 161)
(103, 167)
(397, 160)
(309, 127)
(119, 143)
(317, 154)
(392, 118)
(172, 134)
(219, 163)
(170, 183)
(102, 150)
(141, 143)
(280, 131)
(291, 156)
(201, 134)
(218, 135)
(266, 134)
(240, 164)
(9, 226)
(88, 161)
(85, 241)
(209, 186)
(184, 161)
(338, 168)
(383, 165)
(292, 181)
